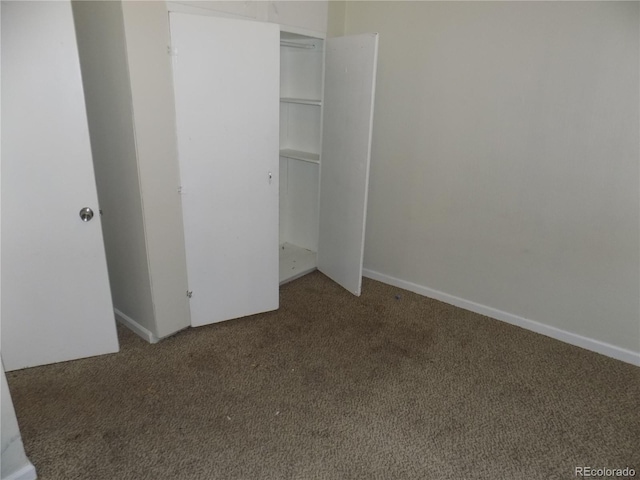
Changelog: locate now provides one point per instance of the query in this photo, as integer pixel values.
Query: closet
(274, 137)
(301, 77)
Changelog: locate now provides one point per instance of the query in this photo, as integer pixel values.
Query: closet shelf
(302, 101)
(300, 155)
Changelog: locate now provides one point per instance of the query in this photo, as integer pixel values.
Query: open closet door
(349, 88)
(56, 300)
(227, 89)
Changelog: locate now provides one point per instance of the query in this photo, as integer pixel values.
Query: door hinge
(180, 190)
(189, 293)
(172, 51)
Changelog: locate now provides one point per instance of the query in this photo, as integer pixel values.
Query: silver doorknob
(86, 214)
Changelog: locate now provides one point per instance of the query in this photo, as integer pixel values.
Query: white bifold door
(227, 88)
(56, 299)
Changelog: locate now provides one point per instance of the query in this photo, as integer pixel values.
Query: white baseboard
(597, 346)
(135, 327)
(28, 472)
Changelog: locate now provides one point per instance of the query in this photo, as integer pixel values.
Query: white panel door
(227, 83)
(56, 300)
(350, 72)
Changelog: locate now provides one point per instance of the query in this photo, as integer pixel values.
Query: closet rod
(284, 43)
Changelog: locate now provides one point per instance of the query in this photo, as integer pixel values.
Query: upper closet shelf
(302, 101)
(300, 155)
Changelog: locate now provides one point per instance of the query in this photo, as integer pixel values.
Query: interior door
(56, 300)
(227, 83)
(349, 89)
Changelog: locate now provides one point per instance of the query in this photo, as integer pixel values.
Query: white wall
(310, 15)
(505, 169)
(147, 38)
(336, 17)
(105, 75)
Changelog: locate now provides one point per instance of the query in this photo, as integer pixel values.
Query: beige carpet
(390, 385)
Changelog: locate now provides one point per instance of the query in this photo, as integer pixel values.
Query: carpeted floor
(390, 385)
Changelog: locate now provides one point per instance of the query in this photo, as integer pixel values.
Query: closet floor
(295, 261)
